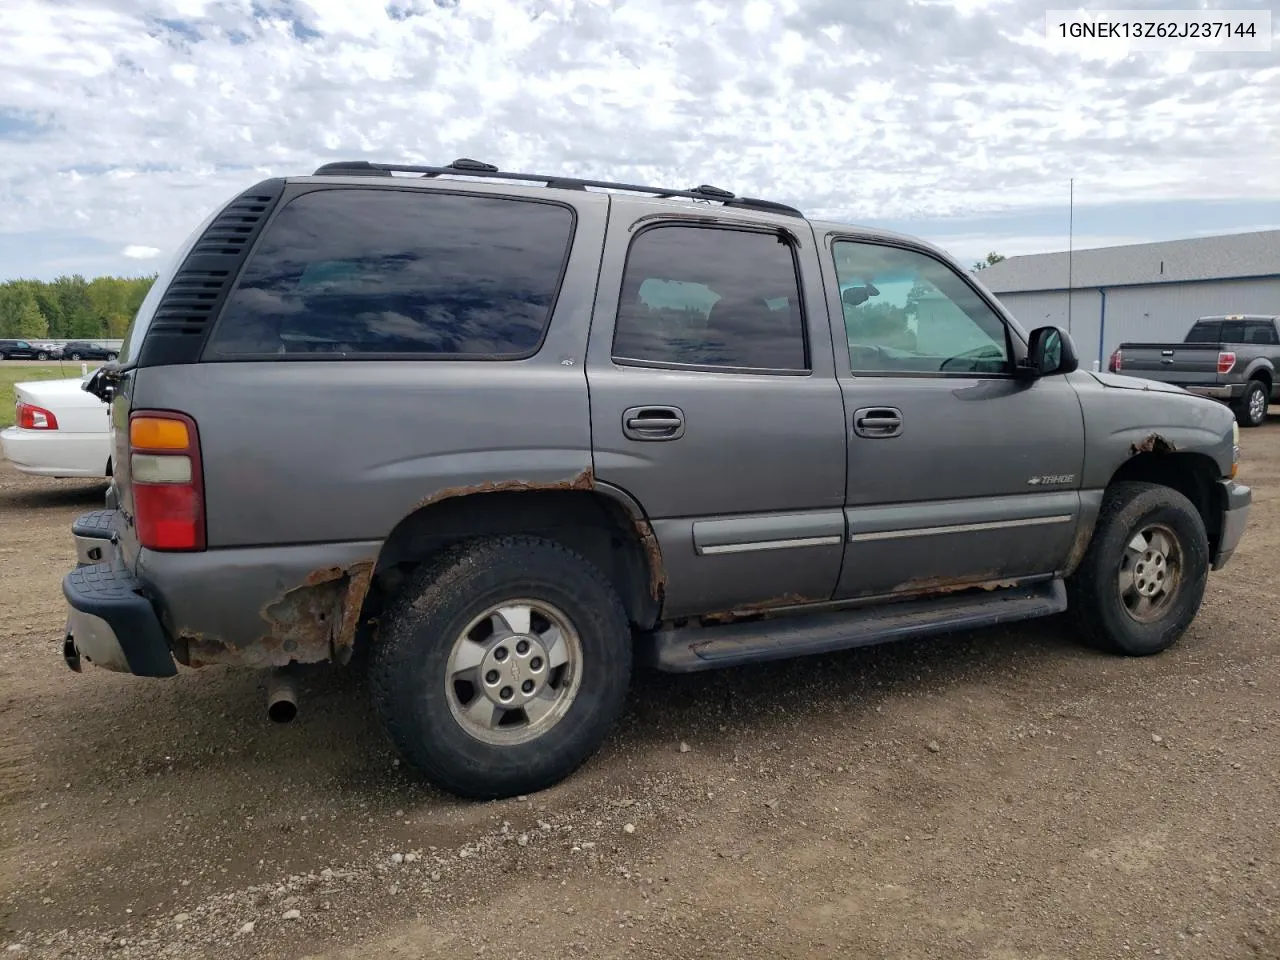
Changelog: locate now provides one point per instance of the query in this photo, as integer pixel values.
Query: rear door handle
(653, 423)
(877, 422)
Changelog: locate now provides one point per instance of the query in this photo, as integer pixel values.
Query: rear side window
(712, 298)
(1259, 332)
(1205, 332)
(394, 273)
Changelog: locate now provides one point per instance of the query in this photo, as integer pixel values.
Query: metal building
(1143, 291)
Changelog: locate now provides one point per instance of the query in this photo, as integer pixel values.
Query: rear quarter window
(372, 273)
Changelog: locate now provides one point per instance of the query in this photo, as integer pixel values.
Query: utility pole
(1071, 229)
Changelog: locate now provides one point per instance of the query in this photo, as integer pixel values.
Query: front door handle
(877, 422)
(653, 423)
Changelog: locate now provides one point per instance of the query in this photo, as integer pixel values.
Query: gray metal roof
(1202, 258)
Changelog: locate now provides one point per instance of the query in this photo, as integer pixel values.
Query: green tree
(991, 258)
(20, 314)
(82, 322)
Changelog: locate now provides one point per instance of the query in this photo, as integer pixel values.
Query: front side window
(710, 297)
(905, 312)
(398, 272)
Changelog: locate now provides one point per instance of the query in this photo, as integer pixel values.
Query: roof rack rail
(464, 166)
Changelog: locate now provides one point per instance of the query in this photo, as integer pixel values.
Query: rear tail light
(31, 417)
(1117, 361)
(168, 483)
(1226, 360)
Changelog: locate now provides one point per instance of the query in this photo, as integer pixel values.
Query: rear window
(396, 273)
(1205, 332)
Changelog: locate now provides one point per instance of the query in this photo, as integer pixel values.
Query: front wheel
(501, 666)
(75, 356)
(111, 356)
(1143, 576)
(1252, 411)
(42, 355)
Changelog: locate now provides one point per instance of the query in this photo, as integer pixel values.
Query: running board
(688, 649)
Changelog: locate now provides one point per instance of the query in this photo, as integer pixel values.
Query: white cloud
(875, 109)
(136, 252)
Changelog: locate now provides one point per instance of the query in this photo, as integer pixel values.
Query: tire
(42, 355)
(1, 356)
(1095, 601)
(447, 600)
(1252, 410)
(111, 356)
(75, 356)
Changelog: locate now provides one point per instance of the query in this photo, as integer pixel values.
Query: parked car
(495, 429)
(1229, 358)
(23, 350)
(59, 430)
(82, 350)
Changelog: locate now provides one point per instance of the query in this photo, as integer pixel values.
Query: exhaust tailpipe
(282, 695)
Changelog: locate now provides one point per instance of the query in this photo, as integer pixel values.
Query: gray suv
(494, 435)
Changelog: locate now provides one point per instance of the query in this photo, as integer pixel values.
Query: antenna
(1071, 230)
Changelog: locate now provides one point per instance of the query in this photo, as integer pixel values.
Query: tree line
(70, 307)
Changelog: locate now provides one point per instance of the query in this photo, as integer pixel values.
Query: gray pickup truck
(1229, 358)
(496, 435)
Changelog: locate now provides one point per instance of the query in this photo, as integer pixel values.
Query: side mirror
(1049, 351)
(855, 296)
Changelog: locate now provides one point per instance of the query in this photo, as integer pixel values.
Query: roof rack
(477, 168)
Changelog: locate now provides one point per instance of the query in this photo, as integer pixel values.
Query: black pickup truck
(1229, 358)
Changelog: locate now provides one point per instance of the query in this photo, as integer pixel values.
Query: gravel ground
(1002, 794)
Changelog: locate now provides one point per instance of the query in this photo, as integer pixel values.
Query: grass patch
(11, 373)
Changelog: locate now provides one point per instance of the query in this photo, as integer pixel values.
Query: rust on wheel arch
(653, 553)
(582, 481)
(1152, 443)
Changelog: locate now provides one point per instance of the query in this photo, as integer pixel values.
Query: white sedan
(59, 430)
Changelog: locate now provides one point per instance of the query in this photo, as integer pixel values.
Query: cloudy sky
(122, 122)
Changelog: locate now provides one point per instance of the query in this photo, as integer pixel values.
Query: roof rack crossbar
(475, 168)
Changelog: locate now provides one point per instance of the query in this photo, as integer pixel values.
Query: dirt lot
(1004, 794)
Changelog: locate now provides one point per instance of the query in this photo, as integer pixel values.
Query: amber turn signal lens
(158, 433)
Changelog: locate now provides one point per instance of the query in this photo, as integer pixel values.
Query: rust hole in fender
(309, 623)
(1153, 443)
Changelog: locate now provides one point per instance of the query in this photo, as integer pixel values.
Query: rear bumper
(1226, 391)
(1237, 498)
(112, 624)
(56, 453)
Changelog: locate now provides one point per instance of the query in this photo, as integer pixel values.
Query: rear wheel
(111, 356)
(501, 666)
(75, 356)
(42, 355)
(1252, 411)
(1143, 576)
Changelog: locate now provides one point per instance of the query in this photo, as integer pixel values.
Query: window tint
(1205, 332)
(1259, 332)
(365, 271)
(905, 312)
(1232, 331)
(711, 297)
